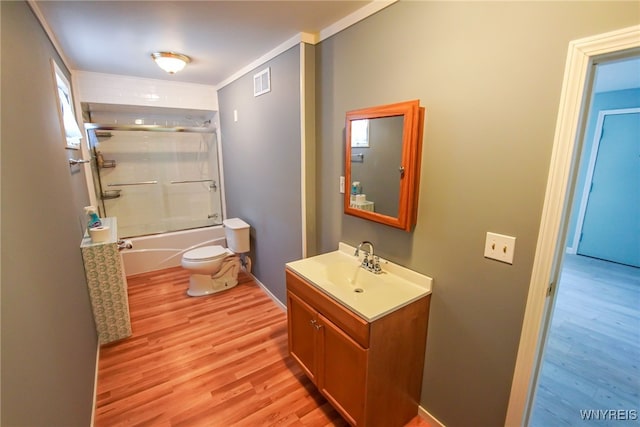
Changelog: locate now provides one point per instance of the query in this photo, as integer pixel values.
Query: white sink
(339, 275)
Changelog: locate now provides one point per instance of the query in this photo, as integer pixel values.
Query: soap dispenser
(356, 189)
(94, 219)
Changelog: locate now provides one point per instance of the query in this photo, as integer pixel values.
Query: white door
(611, 223)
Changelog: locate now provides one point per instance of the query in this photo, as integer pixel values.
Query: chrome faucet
(366, 242)
(371, 264)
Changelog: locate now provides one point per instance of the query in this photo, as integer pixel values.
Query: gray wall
(48, 335)
(490, 76)
(261, 158)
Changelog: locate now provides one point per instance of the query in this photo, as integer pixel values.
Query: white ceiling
(221, 37)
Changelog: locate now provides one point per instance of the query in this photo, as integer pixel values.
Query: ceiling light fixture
(171, 62)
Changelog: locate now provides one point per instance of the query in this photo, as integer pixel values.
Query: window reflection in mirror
(360, 133)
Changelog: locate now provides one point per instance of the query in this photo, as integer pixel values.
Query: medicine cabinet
(383, 153)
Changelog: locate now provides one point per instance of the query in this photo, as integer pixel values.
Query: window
(72, 133)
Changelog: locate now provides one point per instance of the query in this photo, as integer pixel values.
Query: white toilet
(214, 268)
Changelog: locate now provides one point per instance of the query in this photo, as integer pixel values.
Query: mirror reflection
(376, 156)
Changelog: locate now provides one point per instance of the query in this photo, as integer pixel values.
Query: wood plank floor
(219, 360)
(592, 359)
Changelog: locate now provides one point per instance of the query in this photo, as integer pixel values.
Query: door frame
(586, 191)
(582, 55)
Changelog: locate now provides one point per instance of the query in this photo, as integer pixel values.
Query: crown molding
(45, 26)
(310, 38)
(355, 17)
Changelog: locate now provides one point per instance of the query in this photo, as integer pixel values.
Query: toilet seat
(205, 253)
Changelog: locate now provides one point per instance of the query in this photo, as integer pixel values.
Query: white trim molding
(355, 17)
(430, 419)
(303, 147)
(47, 29)
(266, 290)
(581, 56)
(310, 38)
(283, 47)
(95, 387)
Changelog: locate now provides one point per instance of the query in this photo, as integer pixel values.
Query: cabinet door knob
(315, 324)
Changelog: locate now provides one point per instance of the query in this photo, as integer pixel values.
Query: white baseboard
(425, 415)
(269, 294)
(95, 388)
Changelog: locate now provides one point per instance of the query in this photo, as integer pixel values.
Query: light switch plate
(342, 184)
(500, 247)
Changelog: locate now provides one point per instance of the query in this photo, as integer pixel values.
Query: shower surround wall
(156, 181)
(174, 181)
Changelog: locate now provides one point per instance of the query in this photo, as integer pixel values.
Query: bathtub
(160, 251)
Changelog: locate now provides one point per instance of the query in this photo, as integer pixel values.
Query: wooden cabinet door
(342, 370)
(302, 319)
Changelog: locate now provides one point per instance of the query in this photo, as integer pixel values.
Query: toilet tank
(237, 233)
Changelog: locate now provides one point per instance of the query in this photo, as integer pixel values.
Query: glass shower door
(156, 182)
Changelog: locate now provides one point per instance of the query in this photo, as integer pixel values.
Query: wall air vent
(262, 82)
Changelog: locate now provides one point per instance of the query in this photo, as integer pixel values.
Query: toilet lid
(205, 253)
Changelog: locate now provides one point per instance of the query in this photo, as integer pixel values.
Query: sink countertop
(339, 275)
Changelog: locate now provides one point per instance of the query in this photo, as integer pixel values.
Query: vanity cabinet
(371, 372)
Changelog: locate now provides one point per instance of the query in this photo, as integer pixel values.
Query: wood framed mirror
(382, 163)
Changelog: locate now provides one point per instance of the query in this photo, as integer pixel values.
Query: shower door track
(190, 181)
(148, 128)
(133, 183)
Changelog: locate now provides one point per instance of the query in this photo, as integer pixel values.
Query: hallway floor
(592, 358)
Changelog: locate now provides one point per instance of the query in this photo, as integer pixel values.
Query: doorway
(590, 358)
(550, 253)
